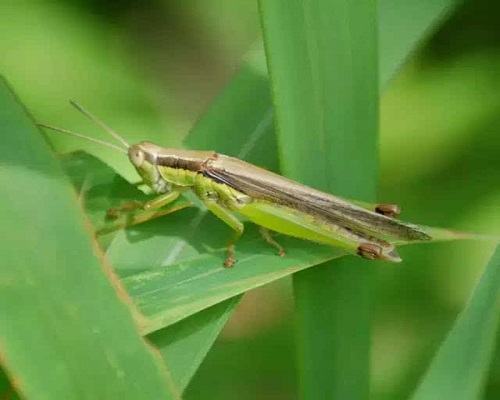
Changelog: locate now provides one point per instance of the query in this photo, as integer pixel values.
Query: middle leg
(232, 221)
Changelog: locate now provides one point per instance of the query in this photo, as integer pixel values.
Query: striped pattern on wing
(265, 185)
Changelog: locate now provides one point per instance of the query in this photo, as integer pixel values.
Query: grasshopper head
(136, 155)
(143, 157)
(143, 153)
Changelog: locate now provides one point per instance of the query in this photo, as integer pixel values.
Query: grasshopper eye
(136, 156)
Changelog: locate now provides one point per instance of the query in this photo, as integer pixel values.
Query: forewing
(262, 184)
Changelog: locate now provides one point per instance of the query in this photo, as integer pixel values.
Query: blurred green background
(153, 67)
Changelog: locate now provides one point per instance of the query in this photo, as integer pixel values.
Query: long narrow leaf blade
(322, 58)
(460, 367)
(66, 331)
(185, 344)
(168, 294)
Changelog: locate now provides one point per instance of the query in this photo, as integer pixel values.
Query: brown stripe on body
(179, 163)
(187, 160)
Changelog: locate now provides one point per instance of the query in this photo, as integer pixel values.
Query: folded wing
(261, 184)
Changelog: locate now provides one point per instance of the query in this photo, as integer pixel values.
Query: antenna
(116, 135)
(79, 135)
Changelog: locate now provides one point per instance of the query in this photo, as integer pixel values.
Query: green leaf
(460, 367)
(322, 60)
(169, 294)
(170, 291)
(185, 344)
(67, 331)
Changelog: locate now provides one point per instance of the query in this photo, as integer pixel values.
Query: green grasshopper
(227, 185)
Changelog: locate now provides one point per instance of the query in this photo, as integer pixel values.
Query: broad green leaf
(169, 294)
(460, 367)
(185, 344)
(322, 58)
(67, 331)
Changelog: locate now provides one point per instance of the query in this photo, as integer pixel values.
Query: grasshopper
(229, 186)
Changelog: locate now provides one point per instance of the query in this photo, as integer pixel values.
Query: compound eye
(136, 156)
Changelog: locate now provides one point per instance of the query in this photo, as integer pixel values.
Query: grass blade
(460, 367)
(322, 60)
(67, 332)
(169, 294)
(185, 344)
